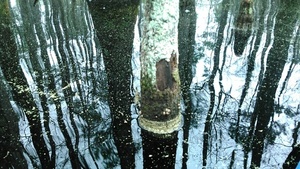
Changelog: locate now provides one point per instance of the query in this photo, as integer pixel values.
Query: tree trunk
(160, 85)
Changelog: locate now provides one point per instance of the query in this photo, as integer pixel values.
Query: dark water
(240, 86)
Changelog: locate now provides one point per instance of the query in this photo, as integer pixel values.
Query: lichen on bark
(159, 67)
(160, 102)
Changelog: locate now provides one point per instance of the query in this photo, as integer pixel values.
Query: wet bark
(159, 148)
(114, 22)
(164, 78)
(264, 107)
(186, 42)
(160, 100)
(159, 67)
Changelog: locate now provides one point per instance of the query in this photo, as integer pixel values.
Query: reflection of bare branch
(295, 134)
(53, 95)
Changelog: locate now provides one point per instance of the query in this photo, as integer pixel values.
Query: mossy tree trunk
(160, 85)
(159, 70)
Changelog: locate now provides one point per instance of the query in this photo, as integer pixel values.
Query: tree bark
(159, 70)
(160, 118)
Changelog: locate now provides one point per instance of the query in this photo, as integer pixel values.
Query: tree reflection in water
(66, 97)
